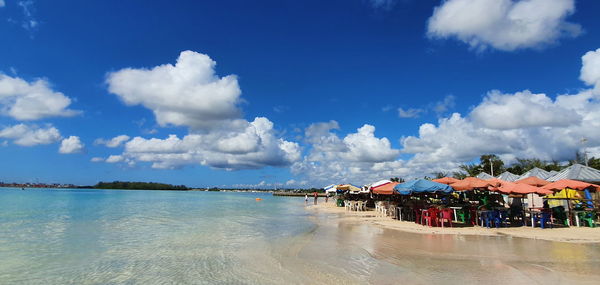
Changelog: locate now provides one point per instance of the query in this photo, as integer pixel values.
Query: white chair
(347, 205)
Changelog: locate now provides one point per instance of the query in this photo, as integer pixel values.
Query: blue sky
(431, 84)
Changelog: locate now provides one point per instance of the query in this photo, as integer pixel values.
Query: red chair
(430, 217)
(446, 215)
(418, 216)
(473, 216)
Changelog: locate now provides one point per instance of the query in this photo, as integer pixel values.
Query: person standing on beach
(305, 198)
(316, 195)
(326, 197)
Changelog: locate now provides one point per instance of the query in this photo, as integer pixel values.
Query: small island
(139, 186)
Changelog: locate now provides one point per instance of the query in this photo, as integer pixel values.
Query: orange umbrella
(572, 184)
(446, 180)
(519, 188)
(495, 181)
(385, 189)
(470, 183)
(533, 181)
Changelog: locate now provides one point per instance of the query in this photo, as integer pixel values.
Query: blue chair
(485, 217)
(543, 218)
(498, 217)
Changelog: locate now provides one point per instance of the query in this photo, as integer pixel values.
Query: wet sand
(353, 248)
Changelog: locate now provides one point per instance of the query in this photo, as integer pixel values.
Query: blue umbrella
(422, 186)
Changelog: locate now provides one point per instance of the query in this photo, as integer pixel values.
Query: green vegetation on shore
(139, 186)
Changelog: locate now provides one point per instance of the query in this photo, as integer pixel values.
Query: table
(454, 212)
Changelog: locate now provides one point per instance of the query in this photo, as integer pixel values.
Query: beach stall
(537, 172)
(446, 180)
(484, 176)
(507, 176)
(424, 212)
(580, 198)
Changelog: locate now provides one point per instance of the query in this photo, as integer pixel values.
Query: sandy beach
(572, 234)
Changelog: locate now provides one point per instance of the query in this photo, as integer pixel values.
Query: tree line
(139, 186)
(488, 162)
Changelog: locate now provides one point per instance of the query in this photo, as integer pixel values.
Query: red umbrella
(470, 183)
(572, 184)
(446, 180)
(385, 189)
(533, 181)
(519, 188)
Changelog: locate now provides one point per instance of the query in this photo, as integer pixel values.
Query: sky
(291, 93)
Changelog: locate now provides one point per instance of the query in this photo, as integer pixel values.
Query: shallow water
(163, 237)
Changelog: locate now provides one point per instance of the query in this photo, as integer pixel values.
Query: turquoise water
(111, 236)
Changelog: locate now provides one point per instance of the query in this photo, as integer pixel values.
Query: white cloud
(97, 159)
(71, 145)
(444, 105)
(503, 24)
(114, 142)
(115, 159)
(2, 4)
(185, 94)
(358, 157)
(35, 100)
(29, 22)
(522, 110)
(410, 112)
(246, 145)
(516, 131)
(31, 135)
(590, 69)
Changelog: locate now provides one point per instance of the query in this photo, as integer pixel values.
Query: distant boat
(22, 188)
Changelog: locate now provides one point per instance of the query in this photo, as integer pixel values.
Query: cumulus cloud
(31, 135)
(522, 110)
(188, 93)
(522, 125)
(26, 101)
(250, 145)
(590, 69)
(71, 145)
(114, 142)
(410, 112)
(358, 157)
(503, 24)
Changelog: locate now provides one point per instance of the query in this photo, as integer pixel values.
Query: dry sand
(572, 234)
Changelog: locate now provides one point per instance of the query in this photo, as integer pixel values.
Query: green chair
(589, 217)
(462, 215)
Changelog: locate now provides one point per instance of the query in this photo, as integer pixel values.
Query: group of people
(316, 195)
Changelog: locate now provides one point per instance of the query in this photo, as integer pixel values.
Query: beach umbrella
(470, 183)
(330, 189)
(533, 181)
(519, 188)
(446, 180)
(422, 186)
(384, 189)
(571, 184)
(380, 182)
(348, 187)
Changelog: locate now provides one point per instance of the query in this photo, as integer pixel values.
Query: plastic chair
(588, 217)
(497, 217)
(430, 217)
(543, 218)
(446, 216)
(418, 216)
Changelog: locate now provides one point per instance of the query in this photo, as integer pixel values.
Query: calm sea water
(110, 236)
(162, 237)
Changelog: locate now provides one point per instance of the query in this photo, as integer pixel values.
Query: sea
(77, 236)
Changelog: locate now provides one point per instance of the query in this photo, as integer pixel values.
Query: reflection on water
(378, 255)
(149, 237)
